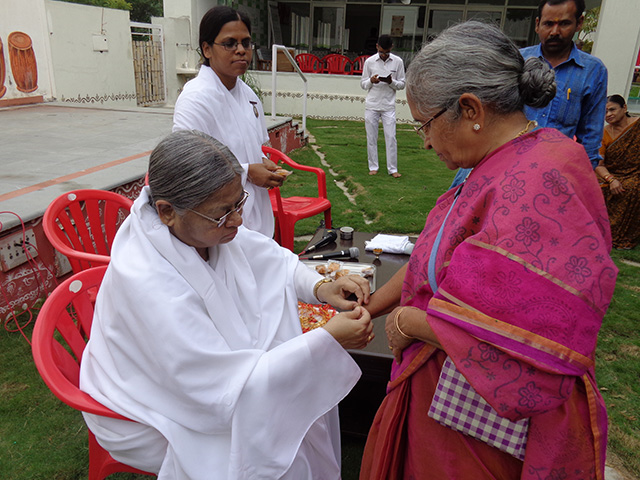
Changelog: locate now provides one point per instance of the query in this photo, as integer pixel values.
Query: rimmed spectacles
(223, 219)
(422, 129)
(232, 45)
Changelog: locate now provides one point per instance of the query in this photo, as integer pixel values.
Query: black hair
(385, 42)
(578, 3)
(214, 20)
(619, 99)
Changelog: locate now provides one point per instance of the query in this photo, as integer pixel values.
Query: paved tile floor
(48, 149)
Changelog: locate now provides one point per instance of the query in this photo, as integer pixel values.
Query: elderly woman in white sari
(220, 104)
(196, 335)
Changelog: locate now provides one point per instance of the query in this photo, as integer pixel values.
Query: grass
(40, 438)
(383, 203)
(618, 361)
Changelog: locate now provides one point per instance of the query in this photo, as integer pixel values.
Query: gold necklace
(530, 123)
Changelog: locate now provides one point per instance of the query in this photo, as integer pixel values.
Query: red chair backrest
(59, 337)
(82, 224)
(337, 64)
(358, 64)
(309, 63)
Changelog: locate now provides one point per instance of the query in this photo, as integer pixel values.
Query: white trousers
(371, 120)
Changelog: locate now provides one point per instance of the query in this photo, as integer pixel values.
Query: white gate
(148, 63)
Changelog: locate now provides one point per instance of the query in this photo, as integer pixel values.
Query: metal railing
(274, 75)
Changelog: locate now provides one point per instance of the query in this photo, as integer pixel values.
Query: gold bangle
(395, 321)
(317, 286)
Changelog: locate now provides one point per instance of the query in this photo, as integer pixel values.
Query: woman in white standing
(220, 104)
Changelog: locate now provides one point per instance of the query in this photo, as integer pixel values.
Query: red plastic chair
(309, 63)
(337, 64)
(81, 224)
(65, 321)
(358, 64)
(288, 210)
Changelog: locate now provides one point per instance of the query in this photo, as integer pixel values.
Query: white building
(85, 55)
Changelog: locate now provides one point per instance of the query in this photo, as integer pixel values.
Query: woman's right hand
(616, 187)
(351, 329)
(259, 174)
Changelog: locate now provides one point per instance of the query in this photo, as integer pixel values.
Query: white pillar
(617, 41)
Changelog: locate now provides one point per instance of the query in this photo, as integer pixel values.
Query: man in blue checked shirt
(579, 105)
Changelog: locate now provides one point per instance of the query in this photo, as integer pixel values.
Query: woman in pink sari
(494, 320)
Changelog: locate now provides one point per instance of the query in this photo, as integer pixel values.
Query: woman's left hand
(616, 187)
(336, 293)
(397, 341)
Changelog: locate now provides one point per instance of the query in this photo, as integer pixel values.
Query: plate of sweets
(335, 269)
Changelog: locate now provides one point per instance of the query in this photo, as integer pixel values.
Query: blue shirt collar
(574, 55)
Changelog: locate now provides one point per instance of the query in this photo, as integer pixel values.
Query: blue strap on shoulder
(431, 269)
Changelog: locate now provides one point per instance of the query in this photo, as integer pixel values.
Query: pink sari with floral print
(524, 279)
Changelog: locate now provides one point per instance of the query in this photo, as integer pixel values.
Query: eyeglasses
(421, 130)
(223, 219)
(232, 45)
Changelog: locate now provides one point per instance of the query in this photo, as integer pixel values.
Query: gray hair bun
(537, 83)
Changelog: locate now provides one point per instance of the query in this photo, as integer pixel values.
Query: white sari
(209, 359)
(234, 117)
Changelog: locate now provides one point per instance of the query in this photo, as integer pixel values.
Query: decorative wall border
(131, 190)
(326, 96)
(114, 97)
(23, 286)
(296, 116)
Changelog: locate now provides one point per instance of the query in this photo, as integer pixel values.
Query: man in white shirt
(382, 76)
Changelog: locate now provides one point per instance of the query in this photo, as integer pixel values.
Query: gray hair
(188, 166)
(474, 57)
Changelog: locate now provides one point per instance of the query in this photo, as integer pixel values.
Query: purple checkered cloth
(458, 406)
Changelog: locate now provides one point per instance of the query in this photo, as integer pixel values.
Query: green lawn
(40, 438)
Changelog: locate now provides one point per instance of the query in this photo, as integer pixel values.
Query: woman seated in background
(196, 334)
(495, 318)
(620, 169)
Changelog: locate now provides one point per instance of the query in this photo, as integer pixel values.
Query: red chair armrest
(322, 177)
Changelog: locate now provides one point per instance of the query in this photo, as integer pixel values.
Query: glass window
(523, 3)
(439, 19)
(405, 25)
(408, 2)
(485, 16)
(329, 35)
(362, 22)
(487, 2)
(520, 26)
(293, 25)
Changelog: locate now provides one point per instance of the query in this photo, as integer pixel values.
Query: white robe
(210, 359)
(205, 104)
